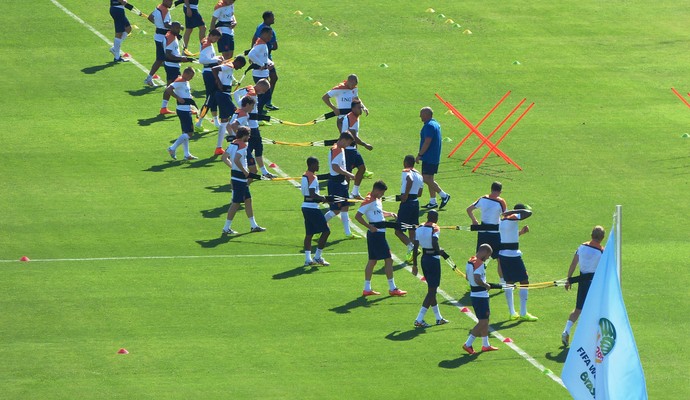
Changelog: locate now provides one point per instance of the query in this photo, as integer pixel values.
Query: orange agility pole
(510, 114)
(681, 97)
(503, 136)
(469, 134)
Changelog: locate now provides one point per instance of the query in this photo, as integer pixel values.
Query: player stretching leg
(408, 213)
(476, 274)
(427, 239)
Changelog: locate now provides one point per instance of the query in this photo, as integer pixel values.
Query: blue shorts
(255, 147)
(338, 189)
(481, 307)
(171, 73)
(513, 269)
(314, 221)
(186, 121)
(582, 289)
(493, 239)
(408, 213)
(240, 191)
(431, 268)
(160, 51)
(353, 159)
(226, 43)
(429, 169)
(227, 108)
(119, 19)
(211, 89)
(377, 246)
(194, 21)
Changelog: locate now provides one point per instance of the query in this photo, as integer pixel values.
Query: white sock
(410, 246)
(253, 223)
(443, 194)
(264, 170)
(199, 122)
(523, 301)
(117, 42)
(502, 281)
(228, 222)
(330, 214)
(345, 217)
(318, 253)
(432, 200)
(509, 300)
(367, 285)
(568, 325)
(485, 341)
(124, 36)
(164, 104)
(216, 122)
(185, 145)
(178, 142)
(391, 284)
(422, 313)
(470, 340)
(221, 133)
(437, 312)
(355, 190)
(307, 255)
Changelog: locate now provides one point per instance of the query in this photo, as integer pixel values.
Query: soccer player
(354, 159)
(588, 256)
(343, 93)
(224, 19)
(181, 90)
(269, 19)
(235, 157)
(337, 182)
(240, 117)
(256, 146)
(192, 19)
(122, 27)
(476, 275)
(258, 55)
(208, 57)
(160, 17)
(314, 221)
(408, 212)
(427, 239)
(491, 207)
(430, 155)
(222, 75)
(377, 245)
(510, 258)
(172, 62)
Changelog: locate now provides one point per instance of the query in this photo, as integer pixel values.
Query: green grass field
(86, 176)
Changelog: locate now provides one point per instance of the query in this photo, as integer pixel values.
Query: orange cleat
(468, 349)
(397, 292)
(489, 348)
(165, 111)
(219, 151)
(366, 293)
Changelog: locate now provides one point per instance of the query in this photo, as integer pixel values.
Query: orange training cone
(464, 309)
(272, 165)
(122, 351)
(24, 258)
(423, 279)
(507, 340)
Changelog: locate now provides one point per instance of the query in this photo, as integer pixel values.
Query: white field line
(448, 297)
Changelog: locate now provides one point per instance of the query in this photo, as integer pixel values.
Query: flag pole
(618, 223)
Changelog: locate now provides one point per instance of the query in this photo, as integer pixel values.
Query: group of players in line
(498, 229)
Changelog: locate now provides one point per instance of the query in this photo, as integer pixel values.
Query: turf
(86, 175)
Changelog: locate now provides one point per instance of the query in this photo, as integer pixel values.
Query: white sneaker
(322, 262)
(565, 339)
(148, 81)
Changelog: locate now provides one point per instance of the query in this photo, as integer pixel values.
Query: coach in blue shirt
(430, 155)
(269, 19)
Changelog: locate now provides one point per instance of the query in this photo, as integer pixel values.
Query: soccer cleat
(421, 324)
(444, 201)
(269, 175)
(322, 262)
(120, 60)
(489, 348)
(229, 232)
(272, 107)
(258, 229)
(191, 157)
(353, 236)
(430, 205)
(219, 151)
(200, 129)
(409, 257)
(366, 293)
(187, 53)
(309, 263)
(368, 174)
(165, 111)
(468, 349)
(442, 321)
(397, 292)
(565, 339)
(529, 317)
(172, 154)
(514, 317)
(148, 81)
(265, 123)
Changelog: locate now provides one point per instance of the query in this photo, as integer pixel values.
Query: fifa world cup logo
(606, 339)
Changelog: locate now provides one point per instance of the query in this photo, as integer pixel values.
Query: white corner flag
(603, 362)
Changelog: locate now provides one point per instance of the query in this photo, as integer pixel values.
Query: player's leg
(321, 226)
(524, 293)
(368, 272)
(361, 169)
(272, 79)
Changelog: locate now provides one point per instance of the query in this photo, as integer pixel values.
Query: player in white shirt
(235, 157)
(491, 207)
(377, 246)
(314, 221)
(122, 26)
(476, 275)
(354, 158)
(160, 17)
(222, 75)
(224, 19)
(256, 146)
(337, 182)
(343, 94)
(240, 117)
(427, 241)
(510, 257)
(182, 92)
(587, 255)
(258, 56)
(172, 61)
(408, 213)
(209, 59)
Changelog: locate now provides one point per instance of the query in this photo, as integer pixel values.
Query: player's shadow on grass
(402, 336)
(141, 92)
(211, 243)
(164, 166)
(356, 303)
(301, 270)
(499, 326)
(215, 212)
(98, 68)
(558, 357)
(227, 188)
(152, 120)
(396, 267)
(203, 163)
(458, 362)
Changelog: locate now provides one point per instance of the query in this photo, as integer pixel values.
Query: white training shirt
(225, 14)
(172, 44)
(182, 89)
(207, 54)
(425, 234)
(336, 157)
(510, 233)
(373, 210)
(491, 209)
(343, 96)
(161, 16)
(248, 91)
(225, 74)
(309, 181)
(474, 267)
(589, 254)
(238, 147)
(259, 56)
(417, 181)
(351, 123)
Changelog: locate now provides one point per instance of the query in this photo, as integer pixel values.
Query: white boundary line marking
(448, 297)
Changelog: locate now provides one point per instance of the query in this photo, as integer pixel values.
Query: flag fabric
(603, 362)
